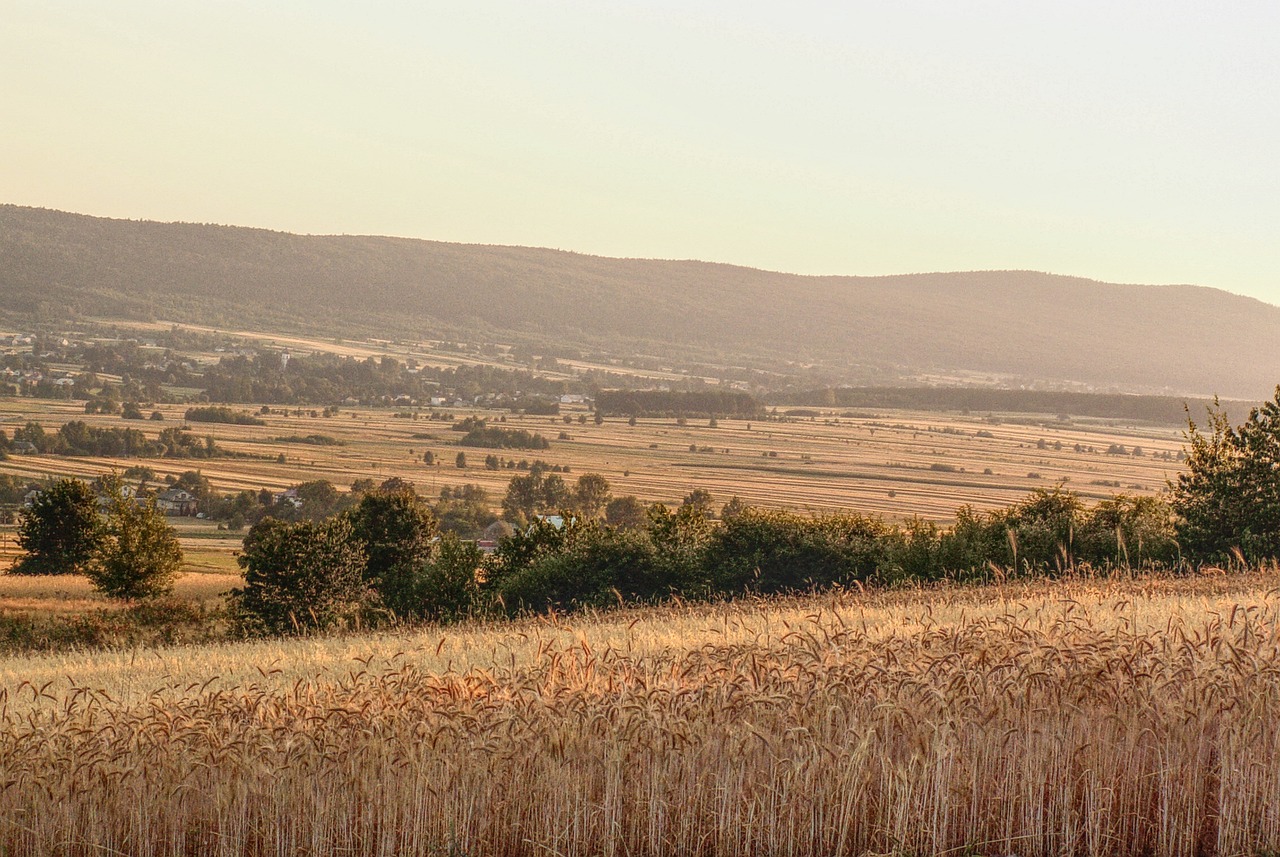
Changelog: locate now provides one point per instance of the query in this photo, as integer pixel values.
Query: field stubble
(1087, 717)
(898, 464)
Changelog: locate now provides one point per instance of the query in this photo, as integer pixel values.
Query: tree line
(1224, 508)
(382, 556)
(78, 438)
(674, 403)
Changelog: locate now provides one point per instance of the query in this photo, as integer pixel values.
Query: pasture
(1093, 717)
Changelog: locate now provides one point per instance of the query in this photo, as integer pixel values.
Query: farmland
(1118, 716)
(895, 463)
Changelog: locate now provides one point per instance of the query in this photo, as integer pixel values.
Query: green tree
(536, 493)
(1228, 498)
(699, 499)
(448, 588)
(396, 530)
(139, 555)
(60, 531)
(591, 494)
(626, 513)
(735, 506)
(300, 577)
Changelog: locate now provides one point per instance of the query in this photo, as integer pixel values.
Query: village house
(176, 501)
(289, 496)
(127, 491)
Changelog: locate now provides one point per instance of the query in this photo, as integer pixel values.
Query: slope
(1180, 339)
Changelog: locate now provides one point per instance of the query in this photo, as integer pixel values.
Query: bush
(300, 577)
(767, 552)
(494, 437)
(1128, 531)
(1040, 530)
(218, 414)
(584, 566)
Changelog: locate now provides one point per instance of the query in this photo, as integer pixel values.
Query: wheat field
(1135, 716)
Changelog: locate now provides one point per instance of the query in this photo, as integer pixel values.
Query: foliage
(768, 551)
(700, 499)
(1228, 498)
(300, 577)
(591, 495)
(447, 587)
(735, 506)
(394, 530)
(1040, 529)
(463, 511)
(139, 555)
(592, 566)
(537, 492)
(496, 437)
(219, 414)
(626, 513)
(671, 403)
(61, 531)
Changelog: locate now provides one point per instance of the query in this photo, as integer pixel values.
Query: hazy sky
(1135, 142)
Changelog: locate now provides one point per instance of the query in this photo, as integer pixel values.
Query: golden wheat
(1117, 717)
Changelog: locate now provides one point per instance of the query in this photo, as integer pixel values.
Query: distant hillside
(1179, 339)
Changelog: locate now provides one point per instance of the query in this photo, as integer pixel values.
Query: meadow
(1112, 716)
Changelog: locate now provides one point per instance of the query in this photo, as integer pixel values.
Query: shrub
(300, 577)
(219, 414)
(1040, 530)
(766, 551)
(1128, 531)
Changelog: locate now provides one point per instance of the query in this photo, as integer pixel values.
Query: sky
(1124, 141)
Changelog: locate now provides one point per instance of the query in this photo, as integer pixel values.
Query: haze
(1127, 143)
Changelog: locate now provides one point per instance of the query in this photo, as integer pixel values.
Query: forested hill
(1183, 339)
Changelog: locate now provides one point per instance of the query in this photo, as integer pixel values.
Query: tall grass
(1134, 717)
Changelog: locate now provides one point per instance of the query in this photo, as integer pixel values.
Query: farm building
(175, 501)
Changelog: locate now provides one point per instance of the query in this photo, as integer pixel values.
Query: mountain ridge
(1181, 338)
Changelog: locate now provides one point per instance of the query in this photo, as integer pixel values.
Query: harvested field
(1083, 717)
(897, 464)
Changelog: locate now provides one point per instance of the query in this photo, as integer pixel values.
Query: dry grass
(1091, 717)
(69, 593)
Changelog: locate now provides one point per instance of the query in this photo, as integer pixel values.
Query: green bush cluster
(767, 552)
(383, 559)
